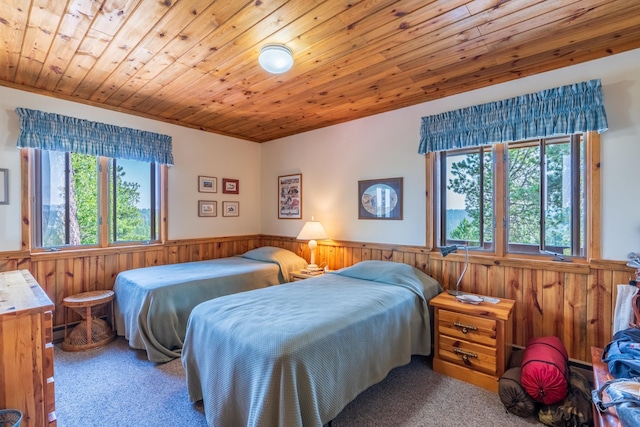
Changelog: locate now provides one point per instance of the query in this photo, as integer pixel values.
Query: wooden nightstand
(472, 341)
(296, 276)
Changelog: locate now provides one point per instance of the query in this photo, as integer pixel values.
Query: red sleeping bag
(545, 370)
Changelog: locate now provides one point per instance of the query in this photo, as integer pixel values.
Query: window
(467, 197)
(546, 196)
(71, 200)
(133, 186)
(535, 190)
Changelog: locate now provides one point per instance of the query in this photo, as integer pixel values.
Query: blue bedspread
(153, 304)
(296, 354)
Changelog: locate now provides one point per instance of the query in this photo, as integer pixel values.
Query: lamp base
(455, 292)
(313, 267)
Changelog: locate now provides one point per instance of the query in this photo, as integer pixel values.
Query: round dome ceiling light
(275, 58)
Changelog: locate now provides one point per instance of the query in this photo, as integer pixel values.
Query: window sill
(42, 254)
(519, 261)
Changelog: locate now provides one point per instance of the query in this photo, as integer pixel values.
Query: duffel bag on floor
(545, 370)
(575, 410)
(512, 395)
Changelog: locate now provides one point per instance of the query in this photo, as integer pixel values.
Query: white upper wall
(332, 160)
(195, 153)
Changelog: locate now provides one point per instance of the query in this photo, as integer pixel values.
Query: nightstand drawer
(466, 327)
(474, 356)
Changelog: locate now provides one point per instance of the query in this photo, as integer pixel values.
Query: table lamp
(446, 250)
(312, 231)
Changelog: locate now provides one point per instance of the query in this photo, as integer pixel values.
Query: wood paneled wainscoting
(573, 301)
(66, 273)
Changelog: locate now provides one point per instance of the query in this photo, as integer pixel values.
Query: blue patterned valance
(560, 111)
(48, 131)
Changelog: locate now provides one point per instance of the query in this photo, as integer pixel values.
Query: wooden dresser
(26, 349)
(472, 341)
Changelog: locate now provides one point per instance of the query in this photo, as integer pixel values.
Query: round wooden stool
(91, 331)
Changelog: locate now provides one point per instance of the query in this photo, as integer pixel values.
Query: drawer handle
(465, 354)
(465, 328)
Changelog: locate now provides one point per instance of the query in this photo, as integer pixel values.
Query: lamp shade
(312, 230)
(446, 250)
(275, 58)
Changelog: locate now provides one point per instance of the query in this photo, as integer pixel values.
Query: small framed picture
(207, 208)
(207, 184)
(380, 199)
(230, 208)
(230, 186)
(290, 196)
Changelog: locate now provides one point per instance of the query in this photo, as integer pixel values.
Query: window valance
(563, 110)
(48, 131)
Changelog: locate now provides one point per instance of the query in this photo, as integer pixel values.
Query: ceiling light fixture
(275, 58)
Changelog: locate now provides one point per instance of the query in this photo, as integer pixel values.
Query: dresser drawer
(464, 353)
(469, 328)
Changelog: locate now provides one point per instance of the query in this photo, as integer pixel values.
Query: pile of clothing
(622, 356)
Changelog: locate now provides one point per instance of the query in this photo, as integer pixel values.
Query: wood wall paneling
(573, 301)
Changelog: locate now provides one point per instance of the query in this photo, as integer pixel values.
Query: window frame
(480, 150)
(154, 177)
(29, 204)
(543, 144)
(500, 247)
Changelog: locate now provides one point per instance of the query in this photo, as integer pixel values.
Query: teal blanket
(297, 354)
(152, 305)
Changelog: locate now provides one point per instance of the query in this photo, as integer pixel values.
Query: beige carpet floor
(115, 385)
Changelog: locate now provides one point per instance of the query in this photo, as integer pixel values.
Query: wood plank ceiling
(194, 62)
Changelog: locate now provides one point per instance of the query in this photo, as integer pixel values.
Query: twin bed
(152, 304)
(298, 353)
(289, 355)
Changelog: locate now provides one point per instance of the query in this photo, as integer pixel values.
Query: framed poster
(230, 186)
(290, 196)
(207, 208)
(207, 184)
(380, 199)
(230, 208)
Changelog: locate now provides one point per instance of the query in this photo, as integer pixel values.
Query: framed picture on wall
(207, 184)
(230, 208)
(380, 199)
(207, 208)
(290, 196)
(230, 186)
